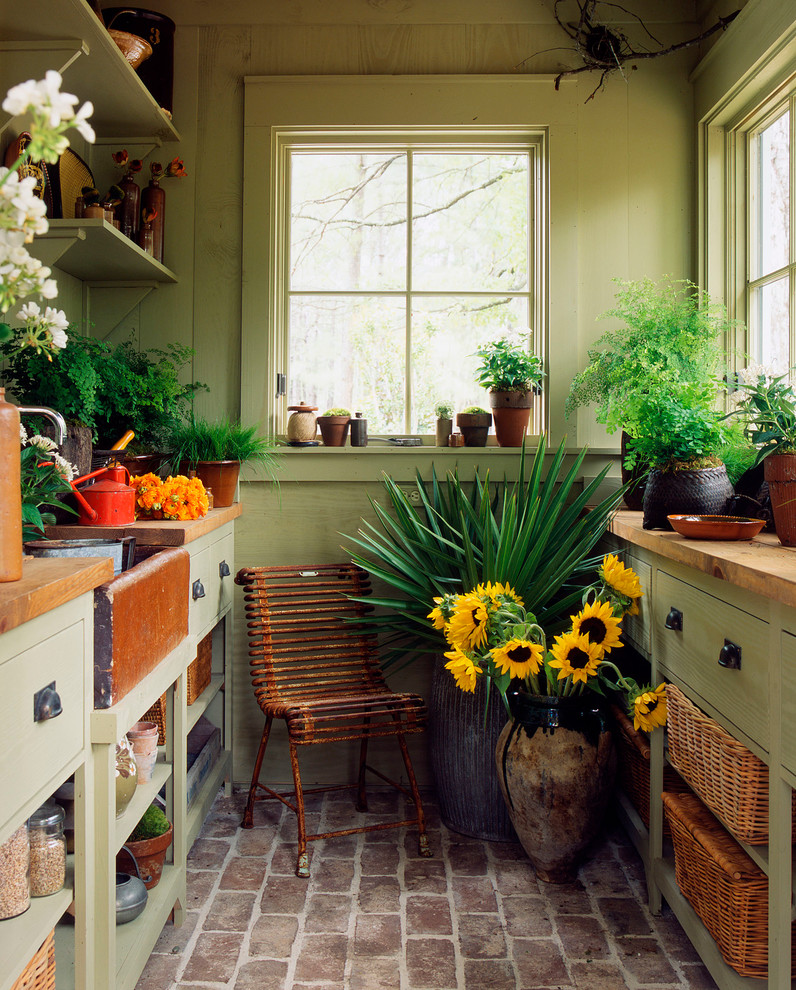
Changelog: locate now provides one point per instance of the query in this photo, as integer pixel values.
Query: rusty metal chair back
(315, 664)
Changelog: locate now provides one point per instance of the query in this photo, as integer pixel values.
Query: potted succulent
(474, 423)
(443, 410)
(679, 435)
(333, 425)
(768, 407)
(147, 845)
(670, 332)
(512, 374)
(216, 449)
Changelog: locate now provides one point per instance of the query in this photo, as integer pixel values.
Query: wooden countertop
(48, 582)
(152, 532)
(760, 565)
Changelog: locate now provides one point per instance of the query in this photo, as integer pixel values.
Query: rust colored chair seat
(315, 664)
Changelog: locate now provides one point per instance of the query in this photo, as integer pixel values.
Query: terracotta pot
(512, 413)
(334, 430)
(556, 766)
(220, 476)
(705, 491)
(443, 431)
(150, 854)
(474, 428)
(779, 471)
(10, 497)
(462, 754)
(144, 742)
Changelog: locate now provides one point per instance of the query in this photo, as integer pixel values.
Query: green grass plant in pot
(768, 410)
(216, 449)
(513, 375)
(534, 534)
(333, 425)
(679, 434)
(474, 423)
(148, 843)
(669, 332)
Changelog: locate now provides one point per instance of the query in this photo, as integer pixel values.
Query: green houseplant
(147, 844)
(333, 425)
(512, 374)
(474, 423)
(443, 410)
(216, 449)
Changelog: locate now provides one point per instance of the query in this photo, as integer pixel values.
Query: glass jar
(15, 874)
(47, 850)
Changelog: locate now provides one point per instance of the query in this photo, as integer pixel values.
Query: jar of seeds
(14, 876)
(47, 850)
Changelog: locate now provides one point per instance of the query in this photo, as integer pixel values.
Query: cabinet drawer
(33, 752)
(789, 701)
(212, 574)
(691, 655)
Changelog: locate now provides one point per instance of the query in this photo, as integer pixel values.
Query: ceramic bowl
(716, 527)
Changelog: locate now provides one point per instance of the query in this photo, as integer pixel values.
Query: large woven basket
(705, 491)
(633, 771)
(725, 887)
(730, 779)
(200, 669)
(39, 974)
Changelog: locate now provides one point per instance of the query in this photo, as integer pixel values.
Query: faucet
(51, 414)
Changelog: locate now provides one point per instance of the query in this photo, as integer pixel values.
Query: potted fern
(216, 449)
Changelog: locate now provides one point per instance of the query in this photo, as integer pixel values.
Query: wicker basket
(200, 669)
(39, 974)
(157, 714)
(730, 779)
(725, 887)
(633, 771)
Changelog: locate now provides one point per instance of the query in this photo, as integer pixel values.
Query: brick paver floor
(375, 916)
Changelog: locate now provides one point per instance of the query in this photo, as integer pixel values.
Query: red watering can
(109, 501)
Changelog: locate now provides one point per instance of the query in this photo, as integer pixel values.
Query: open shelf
(203, 801)
(202, 703)
(143, 797)
(22, 936)
(75, 42)
(136, 939)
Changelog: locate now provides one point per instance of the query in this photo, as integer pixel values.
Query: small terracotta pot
(512, 413)
(144, 741)
(334, 430)
(474, 427)
(150, 854)
(779, 470)
(220, 476)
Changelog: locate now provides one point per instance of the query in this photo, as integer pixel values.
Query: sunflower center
(477, 620)
(519, 654)
(578, 658)
(652, 706)
(595, 629)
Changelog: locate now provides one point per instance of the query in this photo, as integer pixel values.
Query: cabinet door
(789, 702)
(693, 655)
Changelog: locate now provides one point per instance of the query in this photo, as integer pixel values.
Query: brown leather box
(139, 618)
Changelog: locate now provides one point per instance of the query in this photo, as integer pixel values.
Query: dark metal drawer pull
(198, 590)
(674, 620)
(223, 569)
(46, 703)
(730, 655)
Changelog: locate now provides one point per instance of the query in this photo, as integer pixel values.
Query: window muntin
(401, 261)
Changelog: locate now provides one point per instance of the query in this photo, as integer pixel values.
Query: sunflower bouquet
(177, 498)
(491, 635)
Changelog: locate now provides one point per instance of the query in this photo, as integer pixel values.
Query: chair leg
(302, 861)
(362, 797)
(248, 820)
(422, 838)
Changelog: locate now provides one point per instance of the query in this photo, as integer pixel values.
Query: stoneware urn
(512, 413)
(556, 766)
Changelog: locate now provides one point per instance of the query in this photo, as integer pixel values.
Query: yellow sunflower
(518, 657)
(468, 625)
(599, 623)
(623, 580)
(437, 618)
(649, 708)
(574, 655)
(498, 590)
(463, 669)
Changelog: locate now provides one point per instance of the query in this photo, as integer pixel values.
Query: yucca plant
(533, 534)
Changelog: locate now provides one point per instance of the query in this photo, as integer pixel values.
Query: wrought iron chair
(316, 667)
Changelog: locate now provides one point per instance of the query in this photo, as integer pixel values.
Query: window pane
(349, 352)
(770, 325)
(445, 334)
(470, 222)
(348, 228)
(771, 220)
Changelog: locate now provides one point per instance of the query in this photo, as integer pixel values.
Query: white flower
(82, 125)
(43, 443)
(59, 106)
(56, 319)
(67, 470)
(49, 288)
(59, 338)
(30, 311)
(23, 434)
(22, 97)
